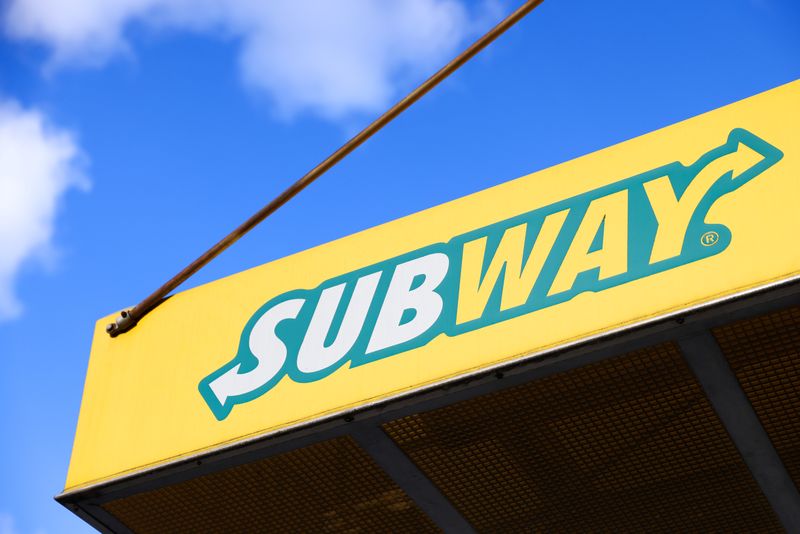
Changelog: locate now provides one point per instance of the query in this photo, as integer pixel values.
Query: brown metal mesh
(626, 444)
(764, 352)
(331, 486)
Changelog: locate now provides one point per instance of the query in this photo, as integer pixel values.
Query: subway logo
(631, 229)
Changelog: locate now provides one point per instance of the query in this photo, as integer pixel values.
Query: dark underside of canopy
(688, 424)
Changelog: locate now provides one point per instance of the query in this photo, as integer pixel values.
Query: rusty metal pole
(128, 318)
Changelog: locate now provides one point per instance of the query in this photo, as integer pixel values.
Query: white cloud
(38, 163)
(330, 57)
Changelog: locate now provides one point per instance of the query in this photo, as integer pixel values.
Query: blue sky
(135, 133)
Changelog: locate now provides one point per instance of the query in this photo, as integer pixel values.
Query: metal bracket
(124, 322)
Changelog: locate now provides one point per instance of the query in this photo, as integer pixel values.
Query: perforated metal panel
(626, 444)
(764, 352)
(331, 486)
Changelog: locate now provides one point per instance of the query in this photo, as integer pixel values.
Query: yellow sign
(698, 211)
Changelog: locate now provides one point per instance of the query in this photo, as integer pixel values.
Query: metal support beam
(722, 388)
(411, 480)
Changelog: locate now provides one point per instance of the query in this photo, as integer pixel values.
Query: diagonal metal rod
(128, 318)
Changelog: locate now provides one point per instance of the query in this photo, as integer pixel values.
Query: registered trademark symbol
(709, 238)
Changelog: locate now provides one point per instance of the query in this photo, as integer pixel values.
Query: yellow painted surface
(141, 405)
